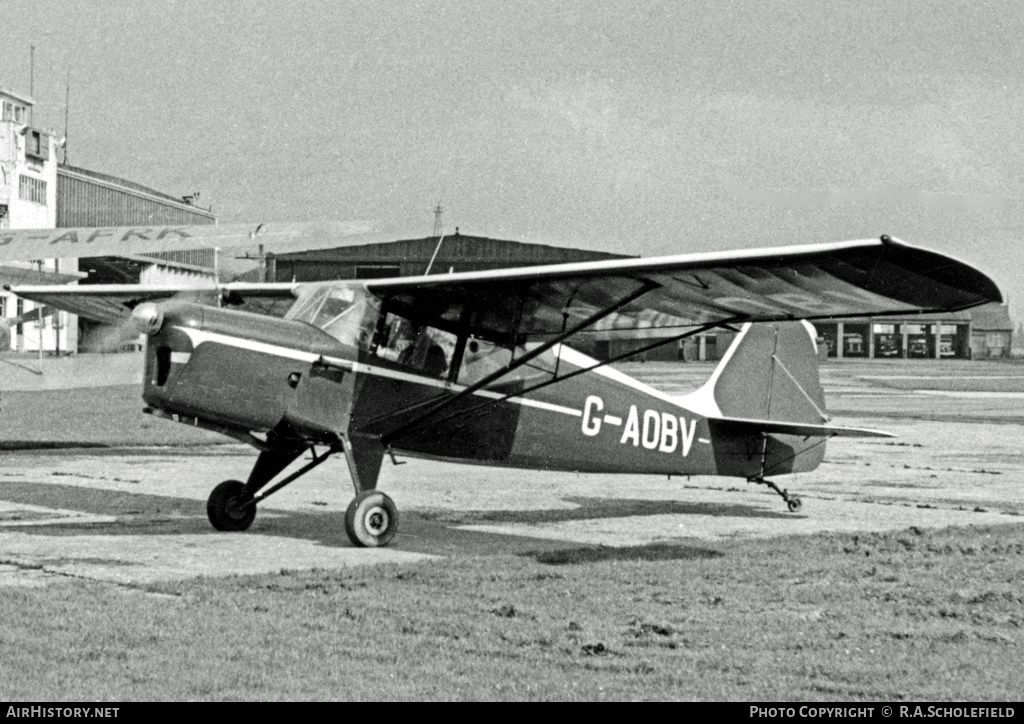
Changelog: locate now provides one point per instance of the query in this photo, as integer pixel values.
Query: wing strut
(405, 429)
(570, 375)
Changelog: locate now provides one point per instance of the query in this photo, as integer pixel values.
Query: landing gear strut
(371, 520)
(792, 502)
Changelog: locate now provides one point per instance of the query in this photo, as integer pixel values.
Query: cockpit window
(335, 303)
(416, 346)
(346, 313)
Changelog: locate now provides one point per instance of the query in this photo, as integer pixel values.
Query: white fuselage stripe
(198, 337)
(581, 360)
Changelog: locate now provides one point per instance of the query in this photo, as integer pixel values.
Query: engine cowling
(239, 369)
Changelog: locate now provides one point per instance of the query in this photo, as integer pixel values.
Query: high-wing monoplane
(479, 367)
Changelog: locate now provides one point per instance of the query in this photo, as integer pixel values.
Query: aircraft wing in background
(113, 303)
(25, 244)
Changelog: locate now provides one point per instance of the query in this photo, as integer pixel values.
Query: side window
(419, 348)
(480, 359)
(483, 358)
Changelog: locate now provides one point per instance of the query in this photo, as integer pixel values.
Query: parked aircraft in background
(478, 367)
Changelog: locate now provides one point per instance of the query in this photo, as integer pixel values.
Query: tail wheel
(224, 507)
(371, 520)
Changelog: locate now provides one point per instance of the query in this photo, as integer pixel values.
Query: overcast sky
(641, 127)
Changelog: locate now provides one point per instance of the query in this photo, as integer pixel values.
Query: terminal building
(28, 200)
(37, 192)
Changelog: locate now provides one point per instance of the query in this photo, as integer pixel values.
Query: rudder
(770, 372)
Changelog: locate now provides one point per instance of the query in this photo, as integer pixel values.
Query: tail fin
(767, 384)
(771, 373)
(765, 404)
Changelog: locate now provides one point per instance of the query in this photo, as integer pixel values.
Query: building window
(37, 144)
(14, 112)
(32, 189)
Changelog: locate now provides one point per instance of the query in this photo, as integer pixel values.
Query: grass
(911, 615)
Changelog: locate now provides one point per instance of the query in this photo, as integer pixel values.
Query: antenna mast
(437, 232)
(437, 219)
(67, 107)
(32, 84)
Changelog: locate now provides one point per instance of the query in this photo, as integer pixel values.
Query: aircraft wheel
(794, 504)
(224, 507)
(371, 519)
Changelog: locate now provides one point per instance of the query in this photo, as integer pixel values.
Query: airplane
(478, 367)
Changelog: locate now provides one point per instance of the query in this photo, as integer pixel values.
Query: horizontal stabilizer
(795, 428)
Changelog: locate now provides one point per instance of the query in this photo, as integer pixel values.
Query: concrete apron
(138, 518)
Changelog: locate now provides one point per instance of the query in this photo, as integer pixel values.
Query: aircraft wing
(23, 244)
(647, 296)
(112, 303)
(10, 274)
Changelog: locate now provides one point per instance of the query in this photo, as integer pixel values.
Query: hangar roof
(457, 246)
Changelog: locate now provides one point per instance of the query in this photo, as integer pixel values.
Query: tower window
(32, 189)
(13, 112)
(37, 144)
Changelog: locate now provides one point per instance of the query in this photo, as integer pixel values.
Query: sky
(637, 127)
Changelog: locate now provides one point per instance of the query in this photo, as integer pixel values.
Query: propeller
(145, 317)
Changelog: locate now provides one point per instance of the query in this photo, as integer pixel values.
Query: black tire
(224, 507)
(371, 520)
(794, 504)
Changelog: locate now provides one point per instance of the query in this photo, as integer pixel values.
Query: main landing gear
(792, 502)
(226, 507)
(371, 520)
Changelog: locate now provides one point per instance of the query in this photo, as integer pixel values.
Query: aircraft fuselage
(248, 373)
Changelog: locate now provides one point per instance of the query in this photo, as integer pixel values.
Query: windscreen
(345, 312)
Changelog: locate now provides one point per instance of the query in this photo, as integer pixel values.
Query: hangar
(411, 257)
(981, 333)
(90, 198)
